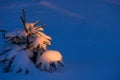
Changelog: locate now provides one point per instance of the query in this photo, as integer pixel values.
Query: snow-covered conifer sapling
(28, 47)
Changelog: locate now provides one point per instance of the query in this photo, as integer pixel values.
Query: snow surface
(71, 71)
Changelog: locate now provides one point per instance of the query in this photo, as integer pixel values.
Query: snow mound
(49, 57)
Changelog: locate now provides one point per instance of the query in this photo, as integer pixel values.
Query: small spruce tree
(25, 48)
